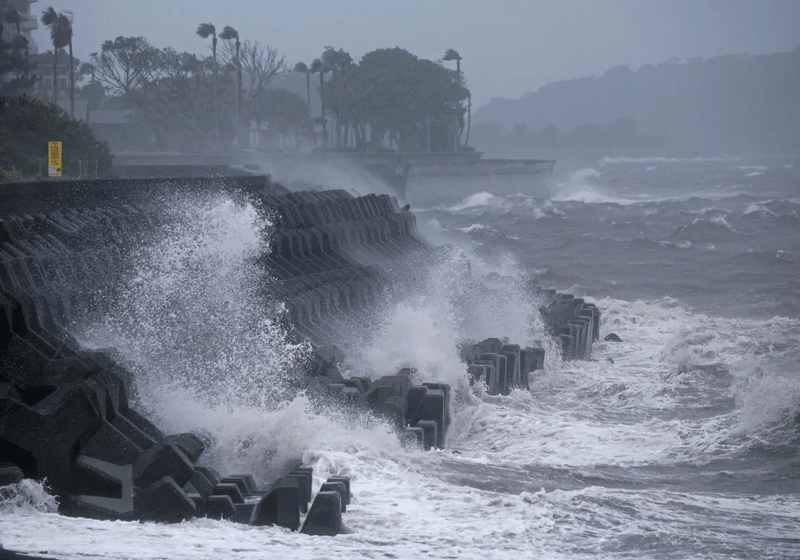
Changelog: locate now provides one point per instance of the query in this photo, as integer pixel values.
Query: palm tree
(204, 30)
(302, 67)
(452, 54)
(230, 33)
(319, 66)
(60, 35)
(70, 16)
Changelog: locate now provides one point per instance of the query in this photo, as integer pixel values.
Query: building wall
(29, 22)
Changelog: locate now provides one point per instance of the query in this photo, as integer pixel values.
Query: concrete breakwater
(71, 415)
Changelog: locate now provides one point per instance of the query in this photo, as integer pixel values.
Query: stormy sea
(680, 441)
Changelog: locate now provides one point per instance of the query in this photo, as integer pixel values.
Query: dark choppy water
(680, 442)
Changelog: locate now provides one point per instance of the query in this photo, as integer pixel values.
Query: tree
(181, 96)
(452, 54)
(286, 113)
(262, 64)
(70, 15)
(338, 62)
(317, 66)
(204, 30)
(124, 63)
(228, 34)
(60, 35)
(12, 59)
(303, 68)
(27, 124)
(414, 101)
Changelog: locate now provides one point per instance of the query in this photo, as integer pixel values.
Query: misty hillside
(736, 102)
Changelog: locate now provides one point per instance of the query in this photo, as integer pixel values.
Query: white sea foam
(587, 418)
(659, 159)
(486, 201)
(759, 209)
(719, 221)
(684, 390)
(582, 186)
(209, 351)
(27, 495)
(473, 227)
(461, 297)
(192, 316)
(482, 198)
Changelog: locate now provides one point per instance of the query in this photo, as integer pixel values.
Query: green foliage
(124, 63)
(286, 112)
(14, 55)
(27, 124)
(180, 100)
(206, 29)
(416, 102)
(60, 27)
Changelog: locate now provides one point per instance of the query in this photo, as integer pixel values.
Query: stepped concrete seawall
(69, 414)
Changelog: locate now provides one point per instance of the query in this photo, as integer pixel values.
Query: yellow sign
(54, 155)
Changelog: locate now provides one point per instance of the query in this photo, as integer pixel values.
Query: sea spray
(195, 321)
(27, 494)
(457, 298)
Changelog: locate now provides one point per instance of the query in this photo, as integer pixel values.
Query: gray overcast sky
(508, 46)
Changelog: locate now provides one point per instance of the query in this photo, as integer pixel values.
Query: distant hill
(735, 102)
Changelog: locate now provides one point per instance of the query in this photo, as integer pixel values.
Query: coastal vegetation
(27, 124)
(390, 99)
(242, 94)
(16, 70)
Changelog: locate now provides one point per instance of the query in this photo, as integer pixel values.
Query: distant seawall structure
(70, 414)
(421, 179)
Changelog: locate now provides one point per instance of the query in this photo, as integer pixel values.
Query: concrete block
(190, 444)
(478, 372)
(513, 362)
(386, 387)
(304, 479)
(413, 399)
(325, 516)
(201, 483)
(413, 437)
(42, 439)
(531, 359)
(246, 482)
(498, 381)
(111, 445)
(512, 371)
(432, 407)
(199, 502)
(346, 481)
(336, 486)
(144, 425)
(10, 474)
(163, 459)
(230, 489)
(220, 507)
(395, 410)
(163, 501)
(281, 505)
(430, 431)
(111, 486)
